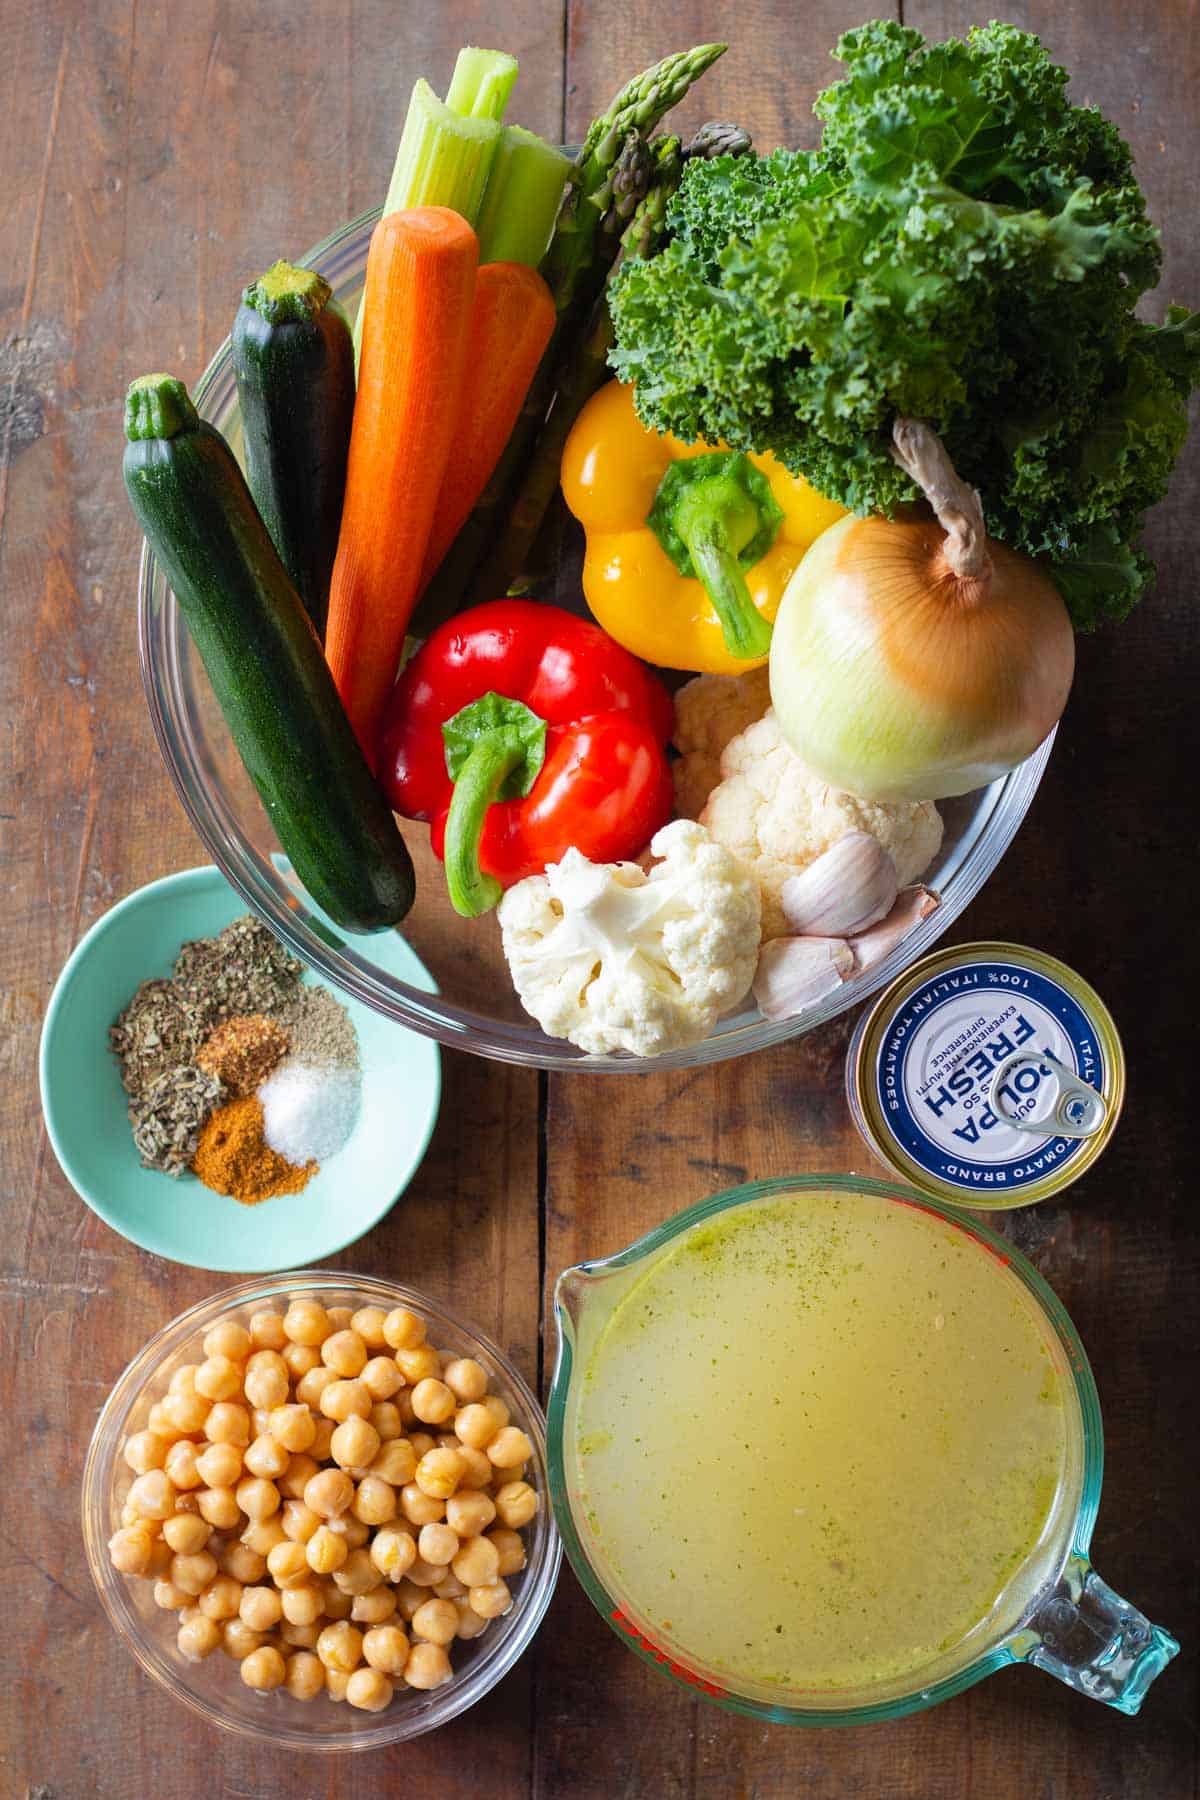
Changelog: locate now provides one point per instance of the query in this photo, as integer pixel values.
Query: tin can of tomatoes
(987, 1074)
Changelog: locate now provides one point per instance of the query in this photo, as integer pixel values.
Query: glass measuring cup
(1067, 1622)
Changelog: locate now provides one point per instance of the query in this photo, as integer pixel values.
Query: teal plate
(84, 1102)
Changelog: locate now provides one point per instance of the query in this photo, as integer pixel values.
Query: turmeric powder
(232, 1156)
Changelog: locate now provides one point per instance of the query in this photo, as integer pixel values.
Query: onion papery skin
(895, 679)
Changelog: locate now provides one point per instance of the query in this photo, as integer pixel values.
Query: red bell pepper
(520, 731)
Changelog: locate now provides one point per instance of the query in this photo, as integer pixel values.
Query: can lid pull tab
(1063, 1102)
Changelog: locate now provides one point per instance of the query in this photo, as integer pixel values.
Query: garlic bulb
(850, 886)
(794, 973)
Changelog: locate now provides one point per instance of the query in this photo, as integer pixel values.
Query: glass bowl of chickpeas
(315, 1511)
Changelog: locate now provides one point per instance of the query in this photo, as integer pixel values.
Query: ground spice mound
(242, 1052)
(232, 1156)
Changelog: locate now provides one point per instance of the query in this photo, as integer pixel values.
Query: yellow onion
(914, 658)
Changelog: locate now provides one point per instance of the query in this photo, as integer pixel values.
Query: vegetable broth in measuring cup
(825, 1442)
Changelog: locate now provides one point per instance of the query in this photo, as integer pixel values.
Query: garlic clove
(912, 905)
(794, 973)
(851, 886)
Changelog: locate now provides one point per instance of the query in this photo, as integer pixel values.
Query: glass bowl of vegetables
(475, 1007)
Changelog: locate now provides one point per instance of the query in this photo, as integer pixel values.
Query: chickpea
(425, 1574)
(342, 1400)
(368, 1321)
(386, 1647)
(198, 1638)
(257, 1497)
(402, 1330)
(490, 1600)
(436, 1621)
(187, 1503)
(408, 1597)
(375, 1607)
(336, 1684)
(186, 1532)
(326, 1550)
(266, 1458)
(340, 1647)
(305, 1676)
(260, 1608)
(228, 1337)
(478, 1473)
(130, 1515)
(260, 1421)
(302, 1605)
(433, 1402)
(238, 1641)
(300, 1471)
(403, 1404)
(300, 1637)
(352, 1531)
(310, 1387)
(509, 1447)
(344, 1353)
(266, 1380)
(267, 1332)
(160, 1558)
(469, 1514)
(396, 1463)
(393, 1550)
(144, 1451)
(466, 1379)
(422, 1442)
(183, 1379)
(245, 1565)
(355, 1444)
(420, 1508)
(438, 1473)
(186, 1411)
(131, 1548)
(153, 1494)
(306, 1322)
(358, 1574)
(228, 1423)
(336, 1604)
(168, 1596)
(219, 1507)
(264, 1669)
(299, 1522)
(289, 1564)
(369, 1690)
(221, 1599)
(477, 1564)
(420, 1363)
(263, 1535)
(475, 1426)
(329, 1493)
(428, 1666)
(450, 1587)
(437, 1544)
(516, 1503)
(218, 1378)
(470, 1625)
(219, 1465)
(300, 1358)
(180, 1465)
(381, 1377)
(386, 1419)
(160, 1424)
(292, 1427)
(374, 1501)
(494, 1404)
(319, 1448)
(340, 1317)
(193, 1571)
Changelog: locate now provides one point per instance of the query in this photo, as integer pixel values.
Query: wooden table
(154, 156)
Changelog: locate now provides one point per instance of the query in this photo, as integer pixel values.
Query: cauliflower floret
(777, 817)
(709, 711)
(612, 958)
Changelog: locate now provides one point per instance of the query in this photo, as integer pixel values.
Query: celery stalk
(521, 200)
(481, 84)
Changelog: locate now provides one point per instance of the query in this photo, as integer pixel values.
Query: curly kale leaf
(965, 246)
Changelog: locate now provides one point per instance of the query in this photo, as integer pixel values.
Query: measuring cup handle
(1094, 1641)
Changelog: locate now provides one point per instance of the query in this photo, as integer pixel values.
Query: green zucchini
(263, 659)
(293, 359)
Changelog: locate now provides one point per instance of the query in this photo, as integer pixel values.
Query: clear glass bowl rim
(410, 1715)
(452, 1024)
(1091, 1474)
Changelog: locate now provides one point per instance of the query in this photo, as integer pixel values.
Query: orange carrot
(416, 327)
(511, 323)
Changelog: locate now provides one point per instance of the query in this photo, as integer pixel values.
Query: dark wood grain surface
(153, 157)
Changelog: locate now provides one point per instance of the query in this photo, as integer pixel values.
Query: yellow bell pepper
(688, 549)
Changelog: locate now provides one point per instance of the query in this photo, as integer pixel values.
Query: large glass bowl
(475, 1007)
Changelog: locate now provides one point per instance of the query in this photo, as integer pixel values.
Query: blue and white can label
(977, 1072)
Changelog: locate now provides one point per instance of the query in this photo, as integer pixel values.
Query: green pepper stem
(476, 786)
(747, 634)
